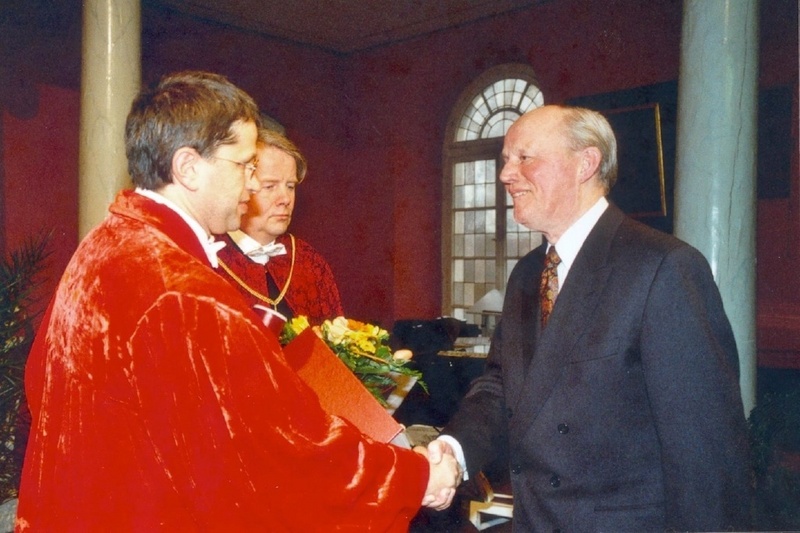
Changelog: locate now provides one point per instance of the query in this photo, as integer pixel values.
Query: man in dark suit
(619, 403)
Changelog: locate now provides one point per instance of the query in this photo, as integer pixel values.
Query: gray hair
(586, 128)
(271, 137)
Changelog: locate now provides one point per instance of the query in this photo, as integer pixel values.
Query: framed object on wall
(640, 189)
(644, 122)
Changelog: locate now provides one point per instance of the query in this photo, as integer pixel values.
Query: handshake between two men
(445, 475)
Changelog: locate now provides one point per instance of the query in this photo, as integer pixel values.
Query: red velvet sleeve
(269, 455)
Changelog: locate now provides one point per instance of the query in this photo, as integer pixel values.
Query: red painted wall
(40, 168)
(372, 126)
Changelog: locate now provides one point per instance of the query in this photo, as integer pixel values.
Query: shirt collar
(572, 240)
(244, 241)
(210, 246)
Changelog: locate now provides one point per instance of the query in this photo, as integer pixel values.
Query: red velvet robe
(159, 403)
(312, 289)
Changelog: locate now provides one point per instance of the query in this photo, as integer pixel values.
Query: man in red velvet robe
(270, 267)
(159, 401)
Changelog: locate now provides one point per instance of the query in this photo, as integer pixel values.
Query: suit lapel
(519, 325)
(574, 312)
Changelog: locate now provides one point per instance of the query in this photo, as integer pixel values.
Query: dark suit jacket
(624, 414)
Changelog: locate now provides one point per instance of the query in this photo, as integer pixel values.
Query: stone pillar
(715, 172)
(110, 78)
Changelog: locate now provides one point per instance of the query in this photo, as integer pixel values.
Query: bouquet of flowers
(363, 348)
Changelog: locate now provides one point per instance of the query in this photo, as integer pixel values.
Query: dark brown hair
(192, 108)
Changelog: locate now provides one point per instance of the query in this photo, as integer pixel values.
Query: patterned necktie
(548, 287)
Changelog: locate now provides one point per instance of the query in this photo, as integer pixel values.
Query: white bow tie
(262, 254)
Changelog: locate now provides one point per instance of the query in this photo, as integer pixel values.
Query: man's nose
(283, 195)
(252, 184)
(508, 172)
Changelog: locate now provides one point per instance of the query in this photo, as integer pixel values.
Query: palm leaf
(18, 279)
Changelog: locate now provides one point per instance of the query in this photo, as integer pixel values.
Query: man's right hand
(438, 449)
(444, 477)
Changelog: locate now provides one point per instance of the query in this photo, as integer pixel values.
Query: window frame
(454, 152)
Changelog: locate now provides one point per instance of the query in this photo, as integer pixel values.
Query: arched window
(481, 243)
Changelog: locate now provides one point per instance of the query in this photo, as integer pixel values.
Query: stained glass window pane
(512, 97)
(469, 195)
(469, 222)
(458, 270)
(469, 174)
(458, 294)
(480, 196)
(458, 246)
(491, 224)
(480, 172)
(458, 197)
(469, 245)
(458, 222)
(480, 246)
(458, 174)
(480, 271)
(469, 294)
(480, 222)
(489, 95)
(489, 191)
(498, 124)
(490, 268)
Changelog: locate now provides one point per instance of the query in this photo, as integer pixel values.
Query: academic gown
(160, 403)
(311, 290)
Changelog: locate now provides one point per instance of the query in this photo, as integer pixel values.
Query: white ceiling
(345, 26)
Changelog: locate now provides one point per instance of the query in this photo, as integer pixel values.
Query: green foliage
(376, 373)
(18, 278)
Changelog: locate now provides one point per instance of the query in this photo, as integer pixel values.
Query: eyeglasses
(248, 167)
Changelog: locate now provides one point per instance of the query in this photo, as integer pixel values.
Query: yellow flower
(365, 344)
(298, 324)
(335, 330)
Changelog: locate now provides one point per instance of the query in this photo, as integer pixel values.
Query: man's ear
(185, 167)
(590, 162)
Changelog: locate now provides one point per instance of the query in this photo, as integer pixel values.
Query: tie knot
(552, 258)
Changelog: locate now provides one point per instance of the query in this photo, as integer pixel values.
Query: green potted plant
(19, 276)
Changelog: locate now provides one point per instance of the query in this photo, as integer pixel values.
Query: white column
(715, 174)
(110, 78)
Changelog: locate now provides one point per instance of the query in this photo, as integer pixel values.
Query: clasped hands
(445, 475)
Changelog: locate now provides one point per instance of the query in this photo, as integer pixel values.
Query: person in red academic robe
(268, 266)
(159, 401)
